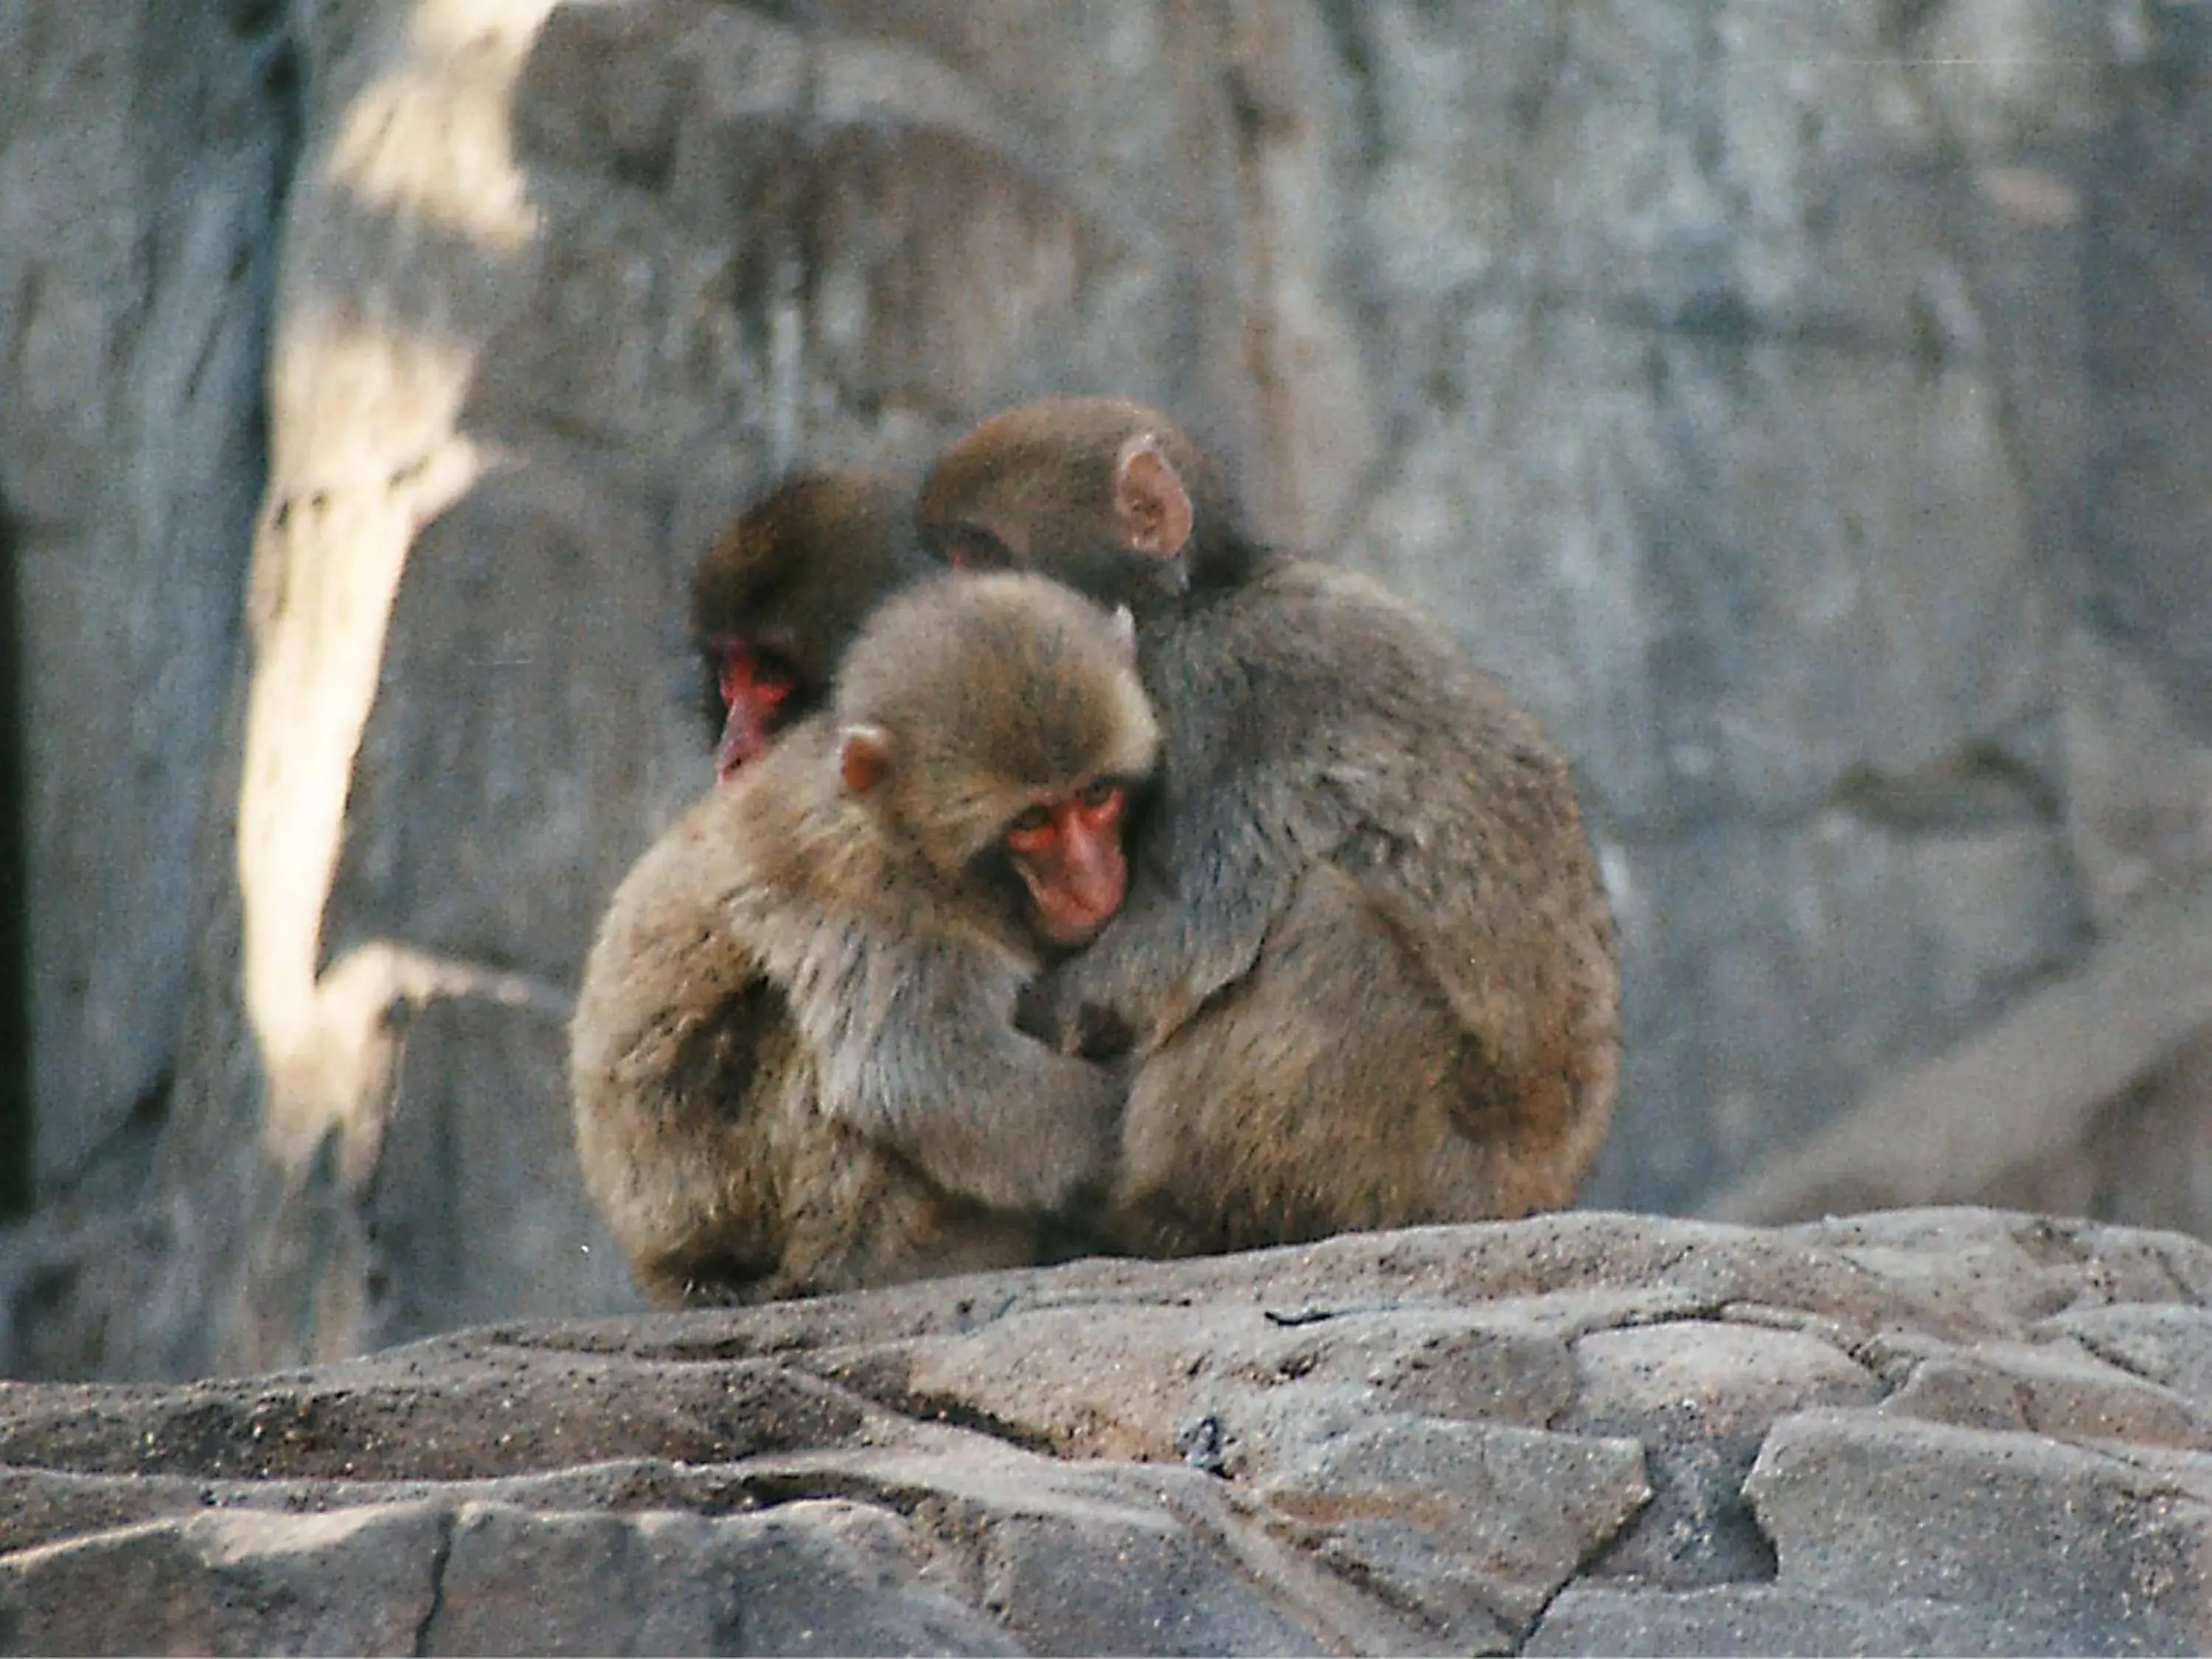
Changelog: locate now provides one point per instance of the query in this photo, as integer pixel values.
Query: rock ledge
(1959, 1432)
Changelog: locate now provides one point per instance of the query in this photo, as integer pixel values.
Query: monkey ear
(1125, 633)
(864, 758)
(1149, 502)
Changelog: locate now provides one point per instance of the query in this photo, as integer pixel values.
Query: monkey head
(995, 724)
(783, 590)
(1108, 495)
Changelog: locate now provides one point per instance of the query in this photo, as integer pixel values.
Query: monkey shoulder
(669, 900)
(1321, 689)
(1321, 658)
(820, 893)
(802, 853)
(1331, 612)
(663, 964)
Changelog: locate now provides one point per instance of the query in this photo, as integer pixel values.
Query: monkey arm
(931, 1063)
(1187, 932)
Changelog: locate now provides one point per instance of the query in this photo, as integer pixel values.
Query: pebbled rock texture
(1939, 1431)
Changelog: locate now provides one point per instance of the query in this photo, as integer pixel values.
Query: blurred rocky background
(1803, 406)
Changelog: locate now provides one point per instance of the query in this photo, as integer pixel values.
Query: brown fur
(793, 1057)
(1367, 963)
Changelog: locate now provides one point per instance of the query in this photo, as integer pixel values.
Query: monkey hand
(1056, 1010)
(1057, 1154)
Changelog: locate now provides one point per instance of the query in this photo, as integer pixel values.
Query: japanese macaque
(794, 1059)
(783, 591)
(1366, 974)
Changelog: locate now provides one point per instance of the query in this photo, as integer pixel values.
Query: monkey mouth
(746, 736)
(1066, 921)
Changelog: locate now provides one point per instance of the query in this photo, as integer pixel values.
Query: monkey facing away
(1367, 968)
(794, 1060)
(784, 589)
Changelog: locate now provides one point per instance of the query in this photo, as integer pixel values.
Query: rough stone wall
(1948, 1432)
(1744, 381)
(144, 154)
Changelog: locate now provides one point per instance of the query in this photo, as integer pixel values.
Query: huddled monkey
(794, 1059)
(1366, 974)
(783, 590)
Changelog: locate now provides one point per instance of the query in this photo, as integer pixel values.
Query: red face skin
(1068, 850)
(754, 692)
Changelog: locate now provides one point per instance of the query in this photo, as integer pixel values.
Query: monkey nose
(745, 739)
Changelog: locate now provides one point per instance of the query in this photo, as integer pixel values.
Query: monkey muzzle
(1077, 886)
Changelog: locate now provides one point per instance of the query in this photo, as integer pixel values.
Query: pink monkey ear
(864, 758)
(1149, 502)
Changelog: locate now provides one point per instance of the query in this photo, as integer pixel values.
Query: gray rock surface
(145, 149)
(1942, 1432)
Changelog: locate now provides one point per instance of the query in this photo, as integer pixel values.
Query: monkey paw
(1102, 1035)
(1054, 1012)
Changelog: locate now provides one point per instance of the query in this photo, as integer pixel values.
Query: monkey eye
(1031, 829)
(971, 547)
(1100, 794)
(759, 679)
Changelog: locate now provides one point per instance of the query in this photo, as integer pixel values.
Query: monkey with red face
(783, 592)
(794, 1061)
(1367, 970)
